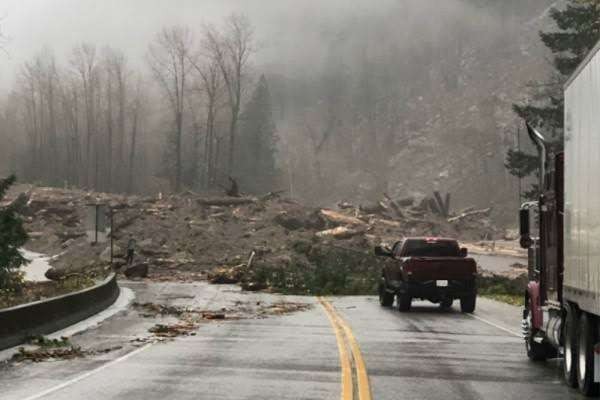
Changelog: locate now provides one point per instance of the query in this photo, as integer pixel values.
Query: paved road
(424, 354)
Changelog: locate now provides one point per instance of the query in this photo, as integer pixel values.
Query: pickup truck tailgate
(446, 268)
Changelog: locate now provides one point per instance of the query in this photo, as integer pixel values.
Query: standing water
(37, 267)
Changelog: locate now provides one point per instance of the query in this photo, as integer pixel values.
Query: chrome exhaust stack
(542, 145)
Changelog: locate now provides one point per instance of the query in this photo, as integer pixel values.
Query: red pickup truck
(434, 269)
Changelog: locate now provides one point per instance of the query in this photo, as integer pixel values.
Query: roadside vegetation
(502, 288)
(12, 237)
(322, 270)
(28, 292)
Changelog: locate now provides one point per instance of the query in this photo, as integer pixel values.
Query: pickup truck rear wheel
(404, 302)
(467, 303)
(386, 299)
(585, 361)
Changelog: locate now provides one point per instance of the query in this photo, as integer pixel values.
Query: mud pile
(267, 242)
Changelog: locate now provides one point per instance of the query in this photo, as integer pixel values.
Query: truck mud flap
(597, 362)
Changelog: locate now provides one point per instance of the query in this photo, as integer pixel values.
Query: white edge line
(495, 325)
(87, 374)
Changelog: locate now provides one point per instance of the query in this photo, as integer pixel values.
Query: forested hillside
(327, 103)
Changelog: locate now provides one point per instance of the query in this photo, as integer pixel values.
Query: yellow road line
(364, 390)
(347, 387)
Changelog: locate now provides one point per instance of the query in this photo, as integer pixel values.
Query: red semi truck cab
(434, 269)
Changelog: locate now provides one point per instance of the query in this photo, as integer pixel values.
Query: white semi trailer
(562, 300)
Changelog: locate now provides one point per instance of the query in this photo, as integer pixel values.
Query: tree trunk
(232, 135)
(121, 126)
(178, 164)
(109, 125)
(130, 188)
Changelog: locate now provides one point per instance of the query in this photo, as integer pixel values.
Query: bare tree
(84, 61)
(136, 111)
(169, 60)
(69, 101)
(212, 85)
(231, 50)
(117, 67)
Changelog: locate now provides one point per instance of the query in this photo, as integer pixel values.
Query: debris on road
(173, 330)
(40, 349)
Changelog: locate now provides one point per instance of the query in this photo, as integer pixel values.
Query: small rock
(137, 271)
(290, 222)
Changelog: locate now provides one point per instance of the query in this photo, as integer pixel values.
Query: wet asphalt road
(424, 354)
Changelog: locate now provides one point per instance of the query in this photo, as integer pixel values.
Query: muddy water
(497, 264)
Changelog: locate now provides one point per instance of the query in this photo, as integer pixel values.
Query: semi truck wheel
(404, 302)
(570, 348)
(467, 304)
(585, 361)
(386, 299)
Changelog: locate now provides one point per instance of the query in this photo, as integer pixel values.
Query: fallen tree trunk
(341, 232)
(485, 211)
(226, 201)
(340, 219)
(386, 222)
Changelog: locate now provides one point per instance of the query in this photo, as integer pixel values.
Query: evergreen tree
(578, 31)
(12, 237)
(255, 167)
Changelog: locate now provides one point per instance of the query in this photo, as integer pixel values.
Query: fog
(448, 71)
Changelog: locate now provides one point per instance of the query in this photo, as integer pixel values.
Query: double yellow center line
(345, 339)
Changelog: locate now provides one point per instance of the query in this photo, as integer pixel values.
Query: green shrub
(12, 238)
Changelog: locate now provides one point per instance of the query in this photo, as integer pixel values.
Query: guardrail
(46, 316)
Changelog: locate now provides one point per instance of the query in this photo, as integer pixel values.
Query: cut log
(226, 201)
(337, 218)
(341, 232)
(387, 222)
(485, 211)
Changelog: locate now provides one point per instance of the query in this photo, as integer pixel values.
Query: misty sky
(131, 24)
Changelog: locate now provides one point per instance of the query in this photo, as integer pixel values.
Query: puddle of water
(35, 270)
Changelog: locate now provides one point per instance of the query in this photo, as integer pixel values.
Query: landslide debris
(189, 319)
(261, 243)
(40, 349)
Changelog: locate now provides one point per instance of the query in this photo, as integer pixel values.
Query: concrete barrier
(46, 316)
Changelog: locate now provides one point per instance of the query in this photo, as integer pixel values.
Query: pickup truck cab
(434, 269)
